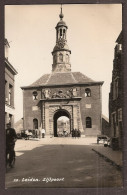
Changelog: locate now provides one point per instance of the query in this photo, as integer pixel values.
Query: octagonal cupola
(61, 52)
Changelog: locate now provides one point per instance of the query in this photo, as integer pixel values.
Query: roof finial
(61, 14)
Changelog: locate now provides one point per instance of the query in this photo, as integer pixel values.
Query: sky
(91, 37)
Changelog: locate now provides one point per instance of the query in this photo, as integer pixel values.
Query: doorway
(61, 122)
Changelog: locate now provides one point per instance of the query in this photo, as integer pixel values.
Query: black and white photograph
(64, 96)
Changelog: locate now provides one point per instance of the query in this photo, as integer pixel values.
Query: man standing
(11, 138)
(26, 134)
(78, 133)
(73, 133)
(43, 133)
(40, 133)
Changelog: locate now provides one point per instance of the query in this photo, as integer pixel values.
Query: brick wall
(32, 108)
(94, 112)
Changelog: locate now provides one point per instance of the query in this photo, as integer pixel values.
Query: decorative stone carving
(69, 94)
(60, 94)
(74, 91)
(46, 93)
(60, 107)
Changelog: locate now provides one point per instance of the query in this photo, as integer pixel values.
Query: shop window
(87, 92)
(88, 122)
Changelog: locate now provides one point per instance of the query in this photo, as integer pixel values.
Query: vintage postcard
(64, 96)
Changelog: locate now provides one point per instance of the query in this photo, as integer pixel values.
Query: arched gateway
(58, 114)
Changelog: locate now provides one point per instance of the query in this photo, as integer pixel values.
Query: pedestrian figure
(11, 138)
(43, 133)
(78, 133)
(27, 134)
(40, 133)
(73, 132)
(36, 133)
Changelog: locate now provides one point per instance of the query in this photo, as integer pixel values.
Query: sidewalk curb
(119, 167)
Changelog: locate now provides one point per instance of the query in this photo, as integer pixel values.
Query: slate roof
(66, 78)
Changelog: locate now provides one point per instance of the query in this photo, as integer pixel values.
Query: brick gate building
(63, 93)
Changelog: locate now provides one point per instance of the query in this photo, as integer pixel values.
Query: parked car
(104, 138)
(26, 134)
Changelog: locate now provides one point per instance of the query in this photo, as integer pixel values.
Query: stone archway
(59, 113)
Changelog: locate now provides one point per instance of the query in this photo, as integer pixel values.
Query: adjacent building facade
(116, 94)
(10, 73)
(63, 93)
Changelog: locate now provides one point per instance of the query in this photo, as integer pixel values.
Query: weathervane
(61, 14)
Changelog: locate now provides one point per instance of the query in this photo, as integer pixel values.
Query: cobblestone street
(61, 162)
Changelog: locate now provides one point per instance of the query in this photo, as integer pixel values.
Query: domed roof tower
(61, 52)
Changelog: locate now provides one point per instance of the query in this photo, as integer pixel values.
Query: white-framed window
(35, 95)
(10, 94)
(87, 92)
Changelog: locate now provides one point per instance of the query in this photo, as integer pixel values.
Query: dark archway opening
(65, 124)
(35, 123)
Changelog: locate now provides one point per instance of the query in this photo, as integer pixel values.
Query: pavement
(61, 163)
(113, 156)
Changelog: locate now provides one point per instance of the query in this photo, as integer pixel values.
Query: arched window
(60, 32)
(35, 123)
(35, 95)
(88, 122)
(87, 92)
(67, 58)
(61, 57)
(64, 33)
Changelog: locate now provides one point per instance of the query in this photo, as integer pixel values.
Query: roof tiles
(59, 78)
